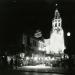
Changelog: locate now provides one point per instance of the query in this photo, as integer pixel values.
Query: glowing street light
(68, 34)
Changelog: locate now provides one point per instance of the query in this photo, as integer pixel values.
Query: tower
(57, 21)
(57, 44)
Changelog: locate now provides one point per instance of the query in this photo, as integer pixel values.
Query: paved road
(28, 73)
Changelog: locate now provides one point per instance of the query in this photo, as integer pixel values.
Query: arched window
(55, 24)
(59, 24)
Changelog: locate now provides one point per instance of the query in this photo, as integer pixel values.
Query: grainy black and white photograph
(37, 37)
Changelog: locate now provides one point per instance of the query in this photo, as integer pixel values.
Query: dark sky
(26, 16)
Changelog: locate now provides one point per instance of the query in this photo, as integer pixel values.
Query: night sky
(28, 15)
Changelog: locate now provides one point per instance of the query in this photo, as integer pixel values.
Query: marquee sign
(38, 34)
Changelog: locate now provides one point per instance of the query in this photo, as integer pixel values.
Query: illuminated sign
(38, 34)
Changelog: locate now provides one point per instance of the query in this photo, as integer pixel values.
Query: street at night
(37, 37)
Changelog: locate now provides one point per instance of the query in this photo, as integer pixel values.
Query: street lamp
(68, 34)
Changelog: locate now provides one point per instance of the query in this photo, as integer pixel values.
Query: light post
(69, 47)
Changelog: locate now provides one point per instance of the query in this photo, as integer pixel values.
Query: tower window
(58, 20)
(55, 24)
(59, 24)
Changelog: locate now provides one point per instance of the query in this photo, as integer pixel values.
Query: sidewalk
(41, 69)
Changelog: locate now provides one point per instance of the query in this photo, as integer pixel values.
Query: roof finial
(56, 4)
(57, 15)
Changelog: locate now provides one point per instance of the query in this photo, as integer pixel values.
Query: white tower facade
(56, 44)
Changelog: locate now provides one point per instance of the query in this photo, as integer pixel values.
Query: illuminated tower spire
(57, 21)
(57, 15)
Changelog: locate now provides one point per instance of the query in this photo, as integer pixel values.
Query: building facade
(56, 42)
